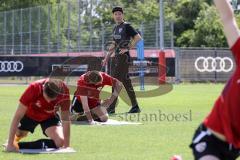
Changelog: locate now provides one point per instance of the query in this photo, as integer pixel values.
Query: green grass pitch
(156, 139)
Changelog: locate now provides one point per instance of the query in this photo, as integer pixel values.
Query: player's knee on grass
(104, 118)
(58, 141)
(56, 134)
(209, 157)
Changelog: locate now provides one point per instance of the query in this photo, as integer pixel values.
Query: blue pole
(140, 57)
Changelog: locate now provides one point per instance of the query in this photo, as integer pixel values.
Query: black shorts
(77, 106)
(205, 143)
(28, 124)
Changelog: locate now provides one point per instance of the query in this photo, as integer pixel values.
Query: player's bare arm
(229, 22)
(117, 87)
(110, 51)
(84, 100)
(65, 116)
(135, 40)
(21, 110)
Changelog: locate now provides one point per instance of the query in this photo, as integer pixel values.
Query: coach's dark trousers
(119, 70)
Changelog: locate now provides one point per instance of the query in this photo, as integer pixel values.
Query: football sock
(39, 144)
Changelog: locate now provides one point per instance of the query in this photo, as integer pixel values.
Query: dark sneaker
(135, 109)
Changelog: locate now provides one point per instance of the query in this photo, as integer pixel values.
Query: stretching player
(86, 99)
(218, 137)
(39, 105)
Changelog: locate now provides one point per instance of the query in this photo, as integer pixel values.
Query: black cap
(115, 9)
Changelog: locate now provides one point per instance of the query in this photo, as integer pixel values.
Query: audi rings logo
(11, 66)
(213, 64)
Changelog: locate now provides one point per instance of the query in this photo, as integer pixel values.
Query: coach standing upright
(125, 37)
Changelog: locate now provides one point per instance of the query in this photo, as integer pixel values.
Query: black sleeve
(131, 31)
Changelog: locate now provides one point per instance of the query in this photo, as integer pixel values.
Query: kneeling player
(86, 98)
(38, 105)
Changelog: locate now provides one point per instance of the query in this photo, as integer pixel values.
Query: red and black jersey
(225, 115)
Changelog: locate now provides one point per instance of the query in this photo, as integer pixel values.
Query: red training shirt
(225, 115)
(38, 108)
(92, 91)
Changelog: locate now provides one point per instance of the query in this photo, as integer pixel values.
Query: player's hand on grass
(11, 148)
(65, 147)
(94, 122)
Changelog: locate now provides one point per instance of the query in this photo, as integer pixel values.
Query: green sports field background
(154, 140)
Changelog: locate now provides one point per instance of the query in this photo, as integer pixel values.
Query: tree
(209, 30)
(16, 4)
(186, 12)
(186, 38)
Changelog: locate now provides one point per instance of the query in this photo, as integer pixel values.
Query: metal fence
(70, 26)
(203, 65)
(73, 26)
